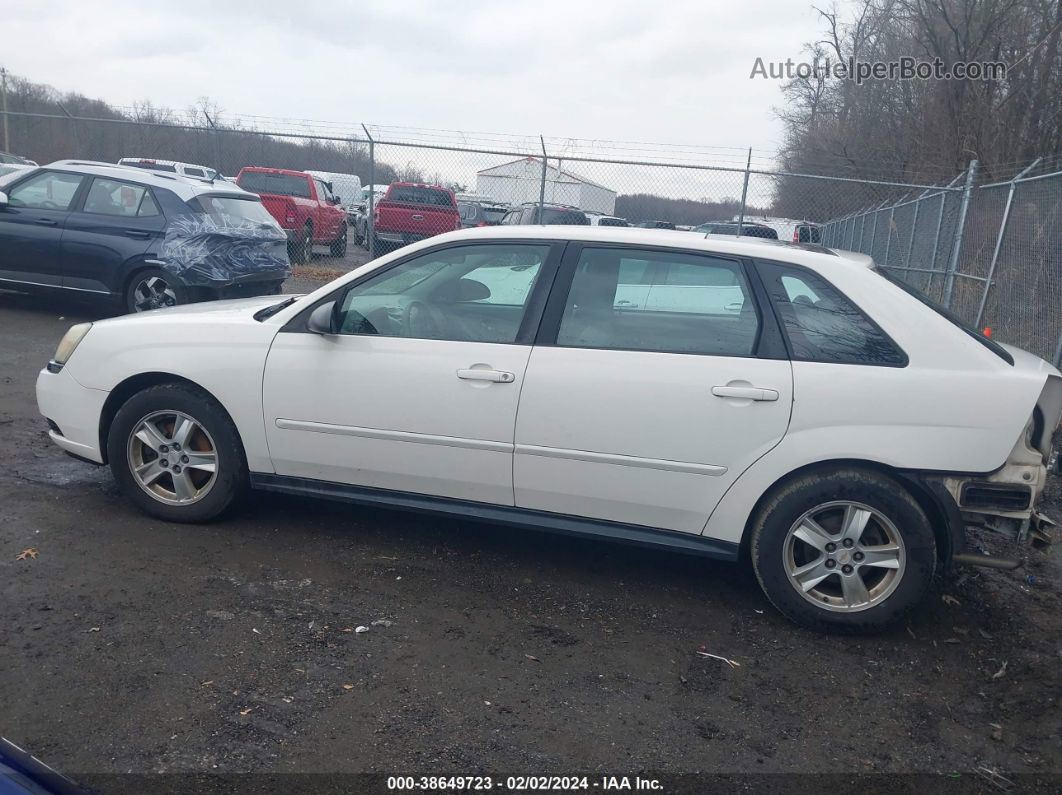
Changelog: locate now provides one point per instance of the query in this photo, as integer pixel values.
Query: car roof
(815, 257)
(185, 187)
(417, 185)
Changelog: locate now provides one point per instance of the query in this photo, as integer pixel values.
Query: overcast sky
(672, 72)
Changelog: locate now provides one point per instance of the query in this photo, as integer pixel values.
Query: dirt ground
(132, 645)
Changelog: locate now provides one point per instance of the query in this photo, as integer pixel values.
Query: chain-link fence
(992, 253)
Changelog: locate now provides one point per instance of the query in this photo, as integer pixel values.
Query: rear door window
(674, 302)
(124, 199)
(822, 324)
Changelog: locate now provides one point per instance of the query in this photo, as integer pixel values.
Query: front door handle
(47, 222)
(745, 392)
(477, 374)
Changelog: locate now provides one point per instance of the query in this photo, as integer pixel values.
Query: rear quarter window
(822, 324)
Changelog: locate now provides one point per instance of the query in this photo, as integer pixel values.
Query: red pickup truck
(410, 211)
(303, 205)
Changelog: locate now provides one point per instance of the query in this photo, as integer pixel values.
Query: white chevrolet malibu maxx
(707, 395)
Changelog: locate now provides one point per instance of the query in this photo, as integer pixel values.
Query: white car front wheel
(176, 454)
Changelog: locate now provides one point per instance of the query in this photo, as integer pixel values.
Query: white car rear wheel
(845, 550)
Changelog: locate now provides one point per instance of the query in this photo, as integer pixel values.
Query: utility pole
(3, 106)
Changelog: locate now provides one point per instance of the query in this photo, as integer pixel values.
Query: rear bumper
(400, 237)
(246, 284)
(74, 411)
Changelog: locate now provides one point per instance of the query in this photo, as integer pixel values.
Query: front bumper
(74, 412)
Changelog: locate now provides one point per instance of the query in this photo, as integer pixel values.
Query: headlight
(69, 342)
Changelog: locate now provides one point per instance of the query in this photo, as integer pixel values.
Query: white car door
(417, 390)
(646, 414)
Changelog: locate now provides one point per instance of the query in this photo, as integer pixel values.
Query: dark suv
(146, 239)
(547, 214)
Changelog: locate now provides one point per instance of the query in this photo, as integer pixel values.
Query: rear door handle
(46, 222)
(745, 392)
(496, 376)
(137, 233)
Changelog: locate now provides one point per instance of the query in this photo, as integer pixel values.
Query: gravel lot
(133, 645)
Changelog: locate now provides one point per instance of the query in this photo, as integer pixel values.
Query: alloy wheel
(844, 556)
(154, 292)
(172, 457)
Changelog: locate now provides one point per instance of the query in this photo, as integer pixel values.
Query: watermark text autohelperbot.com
(904, 68)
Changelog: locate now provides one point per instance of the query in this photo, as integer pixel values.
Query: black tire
(300, 251)
(338, 247)
(771, 551)
(153, 288)
(230, 481)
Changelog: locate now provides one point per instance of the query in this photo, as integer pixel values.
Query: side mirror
(3, 199)
(335, 200)
(320, 320)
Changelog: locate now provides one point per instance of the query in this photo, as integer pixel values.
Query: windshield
(612, 222)
(992, 345)
(278, 184)
(233, 211)
(494, 214)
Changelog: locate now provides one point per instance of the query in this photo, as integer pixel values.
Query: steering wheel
(424, 322)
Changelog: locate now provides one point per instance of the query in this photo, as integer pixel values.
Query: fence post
(953, 262)
(888, 235)
(542, 186)
(73, 123)
(862, 228)
(3, 106)
(914, 230)
(217, 145)
(744, 194)
(370, 219)
(874, 229)
(999, 238)
(1058, 351)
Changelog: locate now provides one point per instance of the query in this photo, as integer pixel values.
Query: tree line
(927, 130)
(152, 132)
